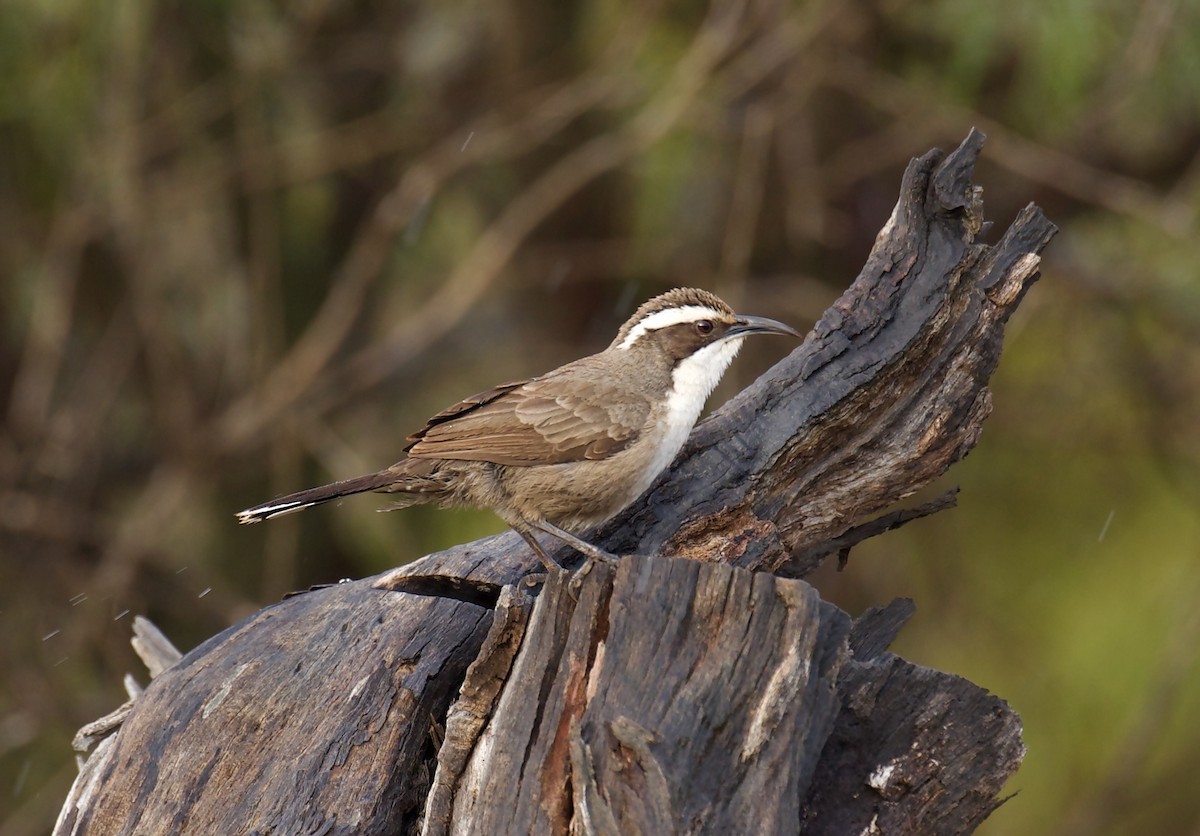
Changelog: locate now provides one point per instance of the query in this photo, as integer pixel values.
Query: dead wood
(661, 695)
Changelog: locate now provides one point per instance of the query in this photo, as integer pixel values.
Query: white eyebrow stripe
(667, 318)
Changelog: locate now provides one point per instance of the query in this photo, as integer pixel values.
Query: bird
(565, 451)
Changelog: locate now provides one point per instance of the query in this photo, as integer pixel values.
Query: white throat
(692, 381)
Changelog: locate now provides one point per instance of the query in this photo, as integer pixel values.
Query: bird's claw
(593, 560)
(534, 579)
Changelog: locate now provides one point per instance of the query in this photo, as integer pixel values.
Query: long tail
(315, 496)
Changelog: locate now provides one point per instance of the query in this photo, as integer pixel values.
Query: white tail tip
(266, 512)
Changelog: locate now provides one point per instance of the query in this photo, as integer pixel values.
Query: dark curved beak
(759, 325)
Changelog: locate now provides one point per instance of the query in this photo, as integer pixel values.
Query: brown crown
(680, 297)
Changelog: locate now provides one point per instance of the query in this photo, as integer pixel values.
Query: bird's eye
(704, 326)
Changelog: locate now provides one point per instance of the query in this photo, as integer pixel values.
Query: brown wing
(527, 423)
(465, 405)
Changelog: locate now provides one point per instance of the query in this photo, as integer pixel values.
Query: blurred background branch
(249, 247)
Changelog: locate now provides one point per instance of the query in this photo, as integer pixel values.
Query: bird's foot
(534, 579)
(593, 555)
(580, 574)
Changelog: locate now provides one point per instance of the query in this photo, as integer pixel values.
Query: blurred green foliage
(248, 247)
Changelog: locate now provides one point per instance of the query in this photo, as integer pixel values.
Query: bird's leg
(550, 563)
(593, 553)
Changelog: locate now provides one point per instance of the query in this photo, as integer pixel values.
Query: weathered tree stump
(711, 695)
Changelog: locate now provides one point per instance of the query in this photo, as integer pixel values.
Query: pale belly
(576, 496)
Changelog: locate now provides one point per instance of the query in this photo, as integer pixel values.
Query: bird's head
(698, 334)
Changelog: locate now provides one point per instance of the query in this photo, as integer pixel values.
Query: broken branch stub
(888, 390)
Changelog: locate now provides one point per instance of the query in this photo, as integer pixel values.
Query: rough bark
(319, 714)
(661, 695)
